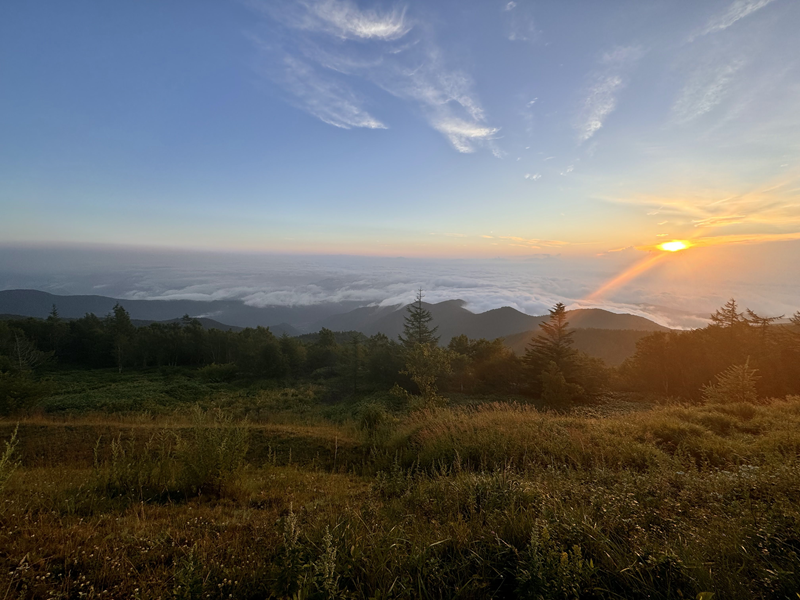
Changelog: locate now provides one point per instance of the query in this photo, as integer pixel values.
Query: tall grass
(495, 501)
(204, 459)
(8, 462)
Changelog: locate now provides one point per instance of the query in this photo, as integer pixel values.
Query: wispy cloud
(463, 135)
(736, 11)
(601, 96)
(772, 209)
(706, 89)
(533, 176)
(520, 23)
(719, 221)
(325, 98)
(346, 21)
(338, 48)
(534, 243)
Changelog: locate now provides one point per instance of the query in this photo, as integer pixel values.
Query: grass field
(217, 491)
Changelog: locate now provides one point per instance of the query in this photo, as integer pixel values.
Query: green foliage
(737, 383)
(20, 392)
(426, 364)
(556, 371)
(144, 473)
(548, 571)
(215, 373)
(555, 388)
(499, 501)
(483, 366)
(373, 419)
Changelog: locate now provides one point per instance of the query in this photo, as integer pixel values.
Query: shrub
(555, 388)
(19, 392)
(215, 373)
(373, 420)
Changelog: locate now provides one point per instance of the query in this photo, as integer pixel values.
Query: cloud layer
(681, 294)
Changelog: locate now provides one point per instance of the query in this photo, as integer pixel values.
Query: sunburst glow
(673, 246)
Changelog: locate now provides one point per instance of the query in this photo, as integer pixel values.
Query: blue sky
(448, 129)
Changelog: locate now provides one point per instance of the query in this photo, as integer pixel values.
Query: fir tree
(416, 328)
(728, 315)
(554, 341)
(737, 383)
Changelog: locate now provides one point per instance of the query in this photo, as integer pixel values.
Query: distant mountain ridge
(599, 333)
(453, 319)
(34, 303)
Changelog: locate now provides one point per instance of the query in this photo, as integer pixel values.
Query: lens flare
(673, 246)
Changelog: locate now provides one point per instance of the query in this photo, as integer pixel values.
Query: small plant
(325, 568)
(188, 577)
(291, 564)
(214, 452)
(8, 464)
(737, 383)
(548, 571)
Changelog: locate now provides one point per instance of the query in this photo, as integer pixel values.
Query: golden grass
(499, 500)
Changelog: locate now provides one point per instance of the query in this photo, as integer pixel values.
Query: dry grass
(494, 501)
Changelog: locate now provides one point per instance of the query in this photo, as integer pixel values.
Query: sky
(569, 139)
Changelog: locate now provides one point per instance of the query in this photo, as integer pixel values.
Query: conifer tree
(416, 328)
(728, 315)
(737, 383)
(554, 341)
(122, 330)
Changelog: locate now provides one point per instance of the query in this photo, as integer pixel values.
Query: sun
(673, 246)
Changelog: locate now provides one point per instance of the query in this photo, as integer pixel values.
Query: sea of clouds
(670, 295)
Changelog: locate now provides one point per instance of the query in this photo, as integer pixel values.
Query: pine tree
(737, 383)
(416, 328)
(554, 341)
(728, 315)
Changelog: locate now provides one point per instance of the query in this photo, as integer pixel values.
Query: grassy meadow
(158, 484)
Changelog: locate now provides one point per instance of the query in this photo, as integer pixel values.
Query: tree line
(677, 363)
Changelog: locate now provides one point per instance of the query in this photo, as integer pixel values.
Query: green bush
(19, 392)
(215, 373)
